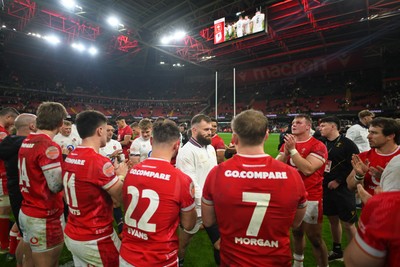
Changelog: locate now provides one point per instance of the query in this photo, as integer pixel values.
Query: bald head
(25, 123)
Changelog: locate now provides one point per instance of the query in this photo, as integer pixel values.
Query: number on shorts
(262, 202)
(143, 223)
(69, 187)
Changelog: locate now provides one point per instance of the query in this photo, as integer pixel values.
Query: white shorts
(196, 228)
(42, 234)
(313, 212)
(99, 252)
(4, 201)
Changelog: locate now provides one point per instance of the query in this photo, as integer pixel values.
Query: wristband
(359, 177)
(121, 177)
(213, 233)
(293, 152)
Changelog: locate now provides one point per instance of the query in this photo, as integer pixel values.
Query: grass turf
(200, 253)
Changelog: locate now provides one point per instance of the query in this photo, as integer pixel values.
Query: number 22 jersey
(154, 193)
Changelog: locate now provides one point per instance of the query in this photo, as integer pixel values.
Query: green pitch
(199, 252)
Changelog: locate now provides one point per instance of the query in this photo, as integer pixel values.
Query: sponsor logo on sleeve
(108, 169)
(52, 152)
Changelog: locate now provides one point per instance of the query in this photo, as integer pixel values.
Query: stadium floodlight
(79, 47)
(165, 40)
(113, 21)
(70, 4)
(179, 35)
(93, 51)
(3, 26)
(52, 39)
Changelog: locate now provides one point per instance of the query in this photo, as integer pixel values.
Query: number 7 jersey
(255, 200)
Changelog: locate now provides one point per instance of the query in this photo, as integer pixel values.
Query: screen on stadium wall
(243, 24)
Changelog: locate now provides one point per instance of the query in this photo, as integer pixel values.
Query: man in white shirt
(65, 140)
(113, 148)
(358, 132)
(239, 27)
(196, 158)
(141, 146)
(258, 22)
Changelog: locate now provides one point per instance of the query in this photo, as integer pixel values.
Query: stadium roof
(295, 29)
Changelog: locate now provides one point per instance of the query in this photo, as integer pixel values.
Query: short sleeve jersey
(154, 194)
(110, 147)
(87, 176)
(255, 200)
(3, 175)
(217, 142)
(313, 183)
(121, 134)
(359, 135)
(375, 159)
(196, 161)
(38, 153)
(258, 22)
(141, 147)
(378, 232)
(70, 142)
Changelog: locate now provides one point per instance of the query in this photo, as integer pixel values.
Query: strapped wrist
(293, 152)
(358, 177)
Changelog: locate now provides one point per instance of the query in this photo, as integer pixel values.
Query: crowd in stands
(330, 93)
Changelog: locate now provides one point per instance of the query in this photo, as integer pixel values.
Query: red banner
(219, 31)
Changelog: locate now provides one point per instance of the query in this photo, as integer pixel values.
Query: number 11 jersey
(86, 177)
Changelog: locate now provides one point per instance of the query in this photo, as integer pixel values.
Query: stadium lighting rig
(93, 51)
(54, 40)
(78, 46)
(178, 65)
(81, 48)
(176, 36)
(115, 23)
(71, 5)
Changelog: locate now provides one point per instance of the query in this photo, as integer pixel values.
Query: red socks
(4, 231)
(14, 240)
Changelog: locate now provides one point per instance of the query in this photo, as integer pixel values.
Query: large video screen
(240, 25)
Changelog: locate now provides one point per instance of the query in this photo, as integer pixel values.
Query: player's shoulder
(281, 165)
(113, 142)
(385, 204)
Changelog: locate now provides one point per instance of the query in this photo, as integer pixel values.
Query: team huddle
(169, 191)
